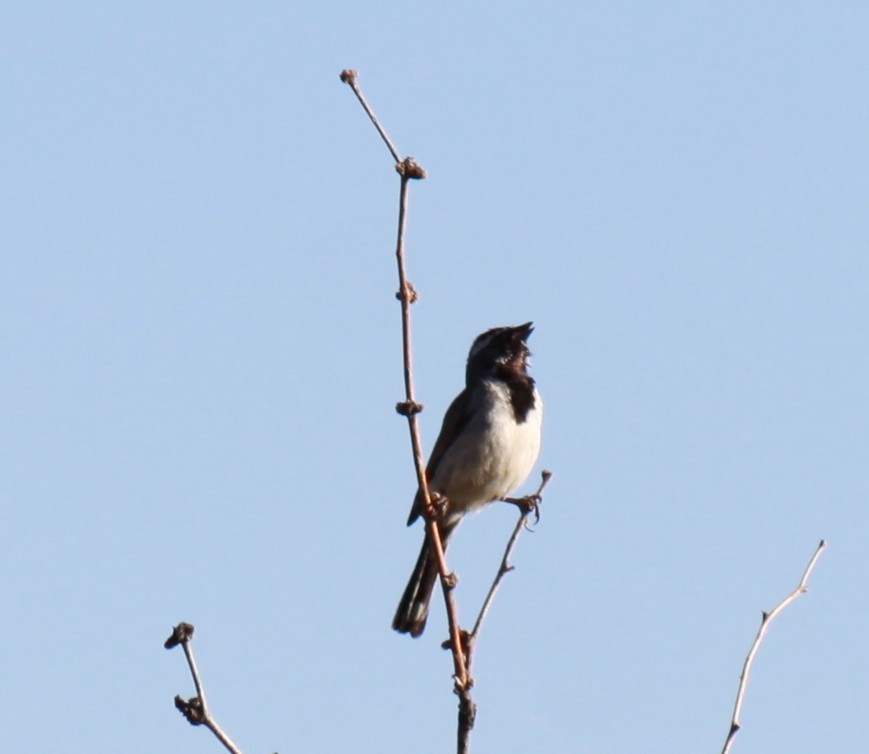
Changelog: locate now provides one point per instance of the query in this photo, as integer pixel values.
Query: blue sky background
(201, 356)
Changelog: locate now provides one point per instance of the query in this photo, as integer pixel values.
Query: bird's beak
(523, 331)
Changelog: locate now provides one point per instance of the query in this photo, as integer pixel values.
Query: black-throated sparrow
(488, 443)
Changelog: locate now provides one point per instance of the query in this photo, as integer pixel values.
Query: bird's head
(498, 349)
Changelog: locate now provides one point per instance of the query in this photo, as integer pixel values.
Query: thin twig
(348, 76)
(407, 295)
(195, 709)
(527, 506)
(191, 663)
(408, 169)
(764, 624)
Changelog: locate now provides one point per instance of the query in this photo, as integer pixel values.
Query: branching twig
(195, 709)
(527, 505)
(764, 624)
(408, 169)
(410, 408)
(460, 642)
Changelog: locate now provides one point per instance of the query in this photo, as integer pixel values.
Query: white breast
(493, 454)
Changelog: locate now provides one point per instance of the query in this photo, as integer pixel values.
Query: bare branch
(195, 709)
(527, 505)
(349, 76)
(408, 169)
(764, 624)
(467, 709)
(410, 408)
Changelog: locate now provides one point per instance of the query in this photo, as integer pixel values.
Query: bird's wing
(455, 419)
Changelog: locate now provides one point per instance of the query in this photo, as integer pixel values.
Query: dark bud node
(181, 633)
(409, 292)
(191, 709)
(410, 168)
(409, 408)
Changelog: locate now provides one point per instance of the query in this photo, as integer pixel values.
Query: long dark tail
(412, 610)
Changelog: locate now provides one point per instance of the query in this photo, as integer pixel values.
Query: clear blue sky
(201, 358)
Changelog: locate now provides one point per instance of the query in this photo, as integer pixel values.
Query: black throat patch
(521, 388)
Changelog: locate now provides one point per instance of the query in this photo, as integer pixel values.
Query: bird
(488, 443)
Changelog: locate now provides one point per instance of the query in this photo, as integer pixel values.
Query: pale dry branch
(766, 619)
(349, 76)
(195, 709)
(410, 408)
(527, 505)
(460, 642)
(408, 169)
